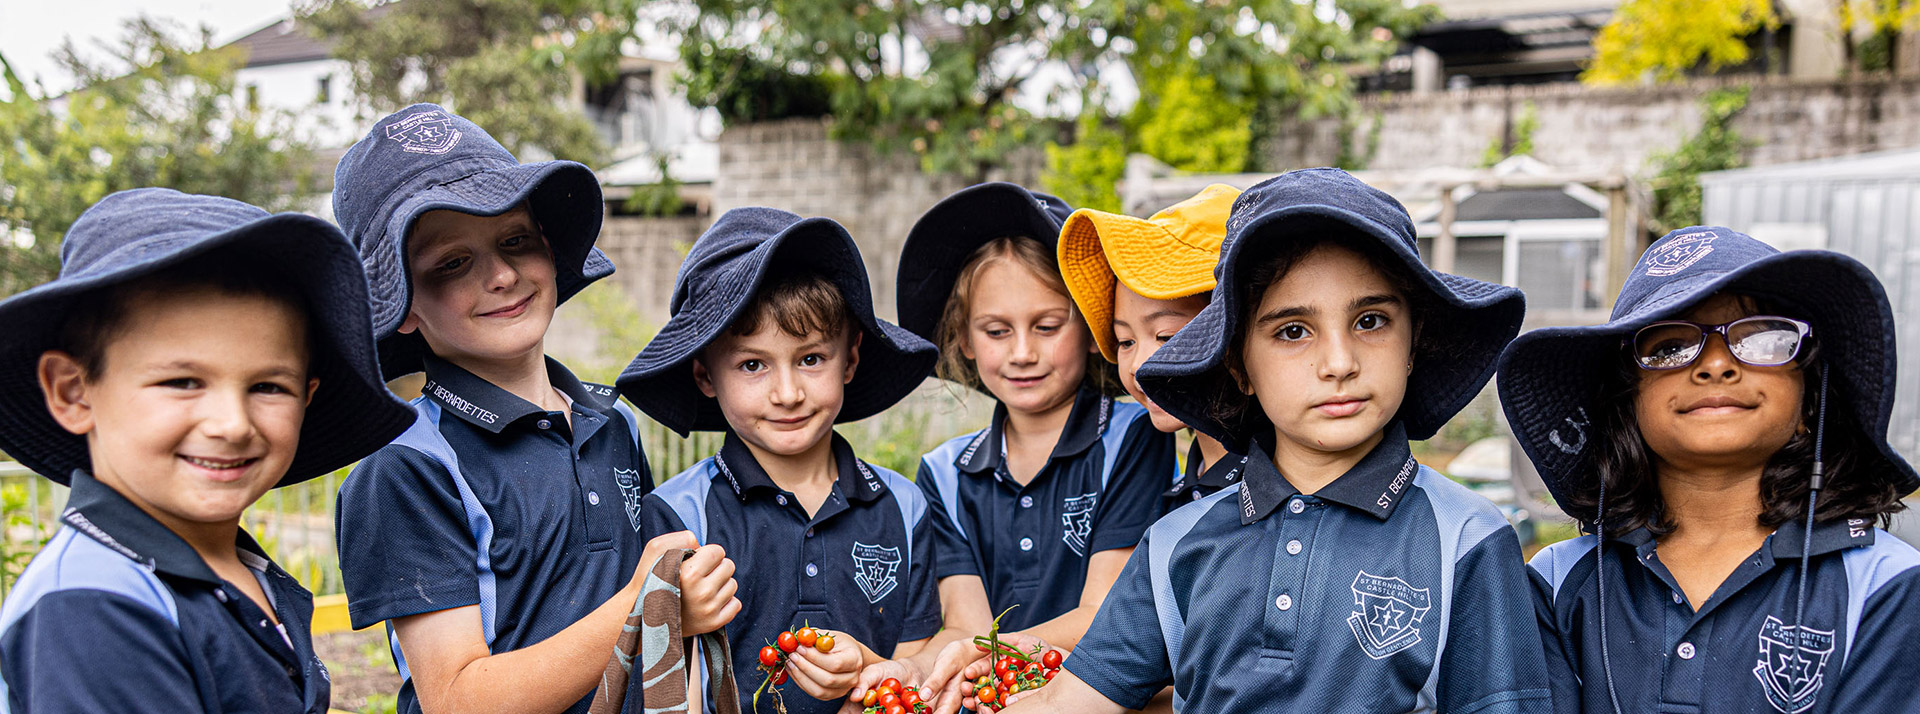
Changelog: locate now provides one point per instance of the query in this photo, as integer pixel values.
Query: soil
(361, 668)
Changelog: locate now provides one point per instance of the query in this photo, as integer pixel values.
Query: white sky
(31, 30)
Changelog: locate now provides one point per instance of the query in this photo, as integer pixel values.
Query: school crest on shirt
(1076, 520)
(1791, 676)
(1388, 614)
(630, 493)
(874, 569)
(425, 133)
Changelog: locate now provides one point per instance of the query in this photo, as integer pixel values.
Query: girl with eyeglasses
(1722, 440)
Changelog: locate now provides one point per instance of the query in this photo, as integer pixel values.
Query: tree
(159, 111)
(1715, 147)
(1885, 21)
(940, 76)
(508, 66)
(1665, 39)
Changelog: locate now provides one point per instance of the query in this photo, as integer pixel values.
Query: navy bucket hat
(939, 243)
(1550, 378)
(134, 234)
(718, 281)
(1461, 335)
(425, 158)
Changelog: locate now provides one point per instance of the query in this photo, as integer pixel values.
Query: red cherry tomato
(1050, 673)
(770, 656)
(1000, 667)
(806, 636)
(986, 695)
(889, 700)
(1008, 677)
(910, 698)
(787, 642)
(1051, 659)
(779, 677)
(896, 709)
(890, 683)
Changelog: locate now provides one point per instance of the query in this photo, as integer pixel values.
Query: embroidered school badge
(1790, 676)
(873, 570)
(1076, 520)
(1387, 614)
(425, 133)
(630, 493)
(1680, 253)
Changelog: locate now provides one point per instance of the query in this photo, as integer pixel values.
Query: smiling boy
(194, 353)
(499, 537)
(773, 340)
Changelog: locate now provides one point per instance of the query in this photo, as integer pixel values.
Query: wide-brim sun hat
(717, 284)
(940, 242)
(1466, 324)
(1551, 378)
(1166, 257)
(133, 234)
(424, 158)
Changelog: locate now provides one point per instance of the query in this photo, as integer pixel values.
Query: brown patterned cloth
(652, 639)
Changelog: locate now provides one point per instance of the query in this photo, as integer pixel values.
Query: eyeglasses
(1759, 341)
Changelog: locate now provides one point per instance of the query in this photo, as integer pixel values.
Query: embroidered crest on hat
(1387, 614)
(1076, 520)
(1679, 253)
(873, 570)
(1792, 675)
(425, 133)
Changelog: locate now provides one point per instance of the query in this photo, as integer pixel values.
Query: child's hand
(707, 589)
(872, 675)
(658, 547)
(827, 675)
(984, 667)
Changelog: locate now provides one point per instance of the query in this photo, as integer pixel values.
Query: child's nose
(1716, 362)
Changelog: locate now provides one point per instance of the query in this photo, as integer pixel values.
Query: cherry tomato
(1051, 659)
(806, 636)
(872, 697)
(779, 677)
(986, 695)
(1050, 673)
(770, 656)
(1008, 677)
(1000, 667)
(896, 709)
(890, 684)
(984, 680)
(1015, 689)
(824, 642)
(910, 698)
(787, 642)
(889, 700)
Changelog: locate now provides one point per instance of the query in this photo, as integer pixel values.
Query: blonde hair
(951, 334)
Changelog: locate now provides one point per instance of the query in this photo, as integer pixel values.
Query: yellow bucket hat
(1168, 256)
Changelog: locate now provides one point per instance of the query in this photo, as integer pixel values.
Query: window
(325, 92)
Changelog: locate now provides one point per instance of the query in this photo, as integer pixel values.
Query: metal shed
(1866, 206)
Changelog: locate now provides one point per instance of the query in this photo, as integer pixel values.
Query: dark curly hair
(1624, 461)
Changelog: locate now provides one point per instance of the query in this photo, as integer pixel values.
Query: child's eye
(181, 383)
(1162, 339)
(812, 360)
(449, 265)
(271, 388)
(1370, 321)
(997, 332)
(1123, 345)
(752, 365)
(1046, 327)
(1293, 332)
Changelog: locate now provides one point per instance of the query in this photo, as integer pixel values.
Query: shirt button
(1297, 506)
(1026, 501)
(1284, 602)
(593, 497)
(809, 532)
(812, 570)
(264, 624)
(220, 595)
(1026, 544)
(1197, 496)
(1293, 547)
(1677, 599)
(1685, 650)
(782, 500)
(544, 424)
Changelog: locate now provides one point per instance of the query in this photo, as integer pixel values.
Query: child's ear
(410, 324)
(853, 355)
(64, 382)
(313, 385)
(702, 378)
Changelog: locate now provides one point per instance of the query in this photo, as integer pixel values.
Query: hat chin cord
(1814, 484)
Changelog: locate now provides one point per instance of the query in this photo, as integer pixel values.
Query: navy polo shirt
(1855, 640)
(490, 500)
(118, 614)
(1191, 484)
(862, 564)
(1099, 490)
(1391, 589)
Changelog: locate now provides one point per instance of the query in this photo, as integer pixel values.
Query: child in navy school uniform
(499, 537)
(773, 340)
(1039, 510)
(194, 353)
(1341, 575)
(1137, 282)
(1723, 439)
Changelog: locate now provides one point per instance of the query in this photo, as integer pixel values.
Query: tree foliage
(940, 76)
(508, 66)
(156, 111)
(1664, 39)
(1715, 147)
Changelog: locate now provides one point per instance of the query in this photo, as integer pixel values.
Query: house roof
(1523, 204)
(282, 42)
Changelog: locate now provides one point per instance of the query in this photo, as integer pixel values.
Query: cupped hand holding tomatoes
(827, 670)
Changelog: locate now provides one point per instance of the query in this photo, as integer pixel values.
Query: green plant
(1663, 39)
(380, 704)
(1352, 158)
(16, 513)
(1715, 147)
(1516, 142)
(1087, 172)
(656, 199)
(743, 87)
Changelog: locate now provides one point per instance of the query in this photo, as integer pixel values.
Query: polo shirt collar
(1375, 485)
(97, 511)
(1784, 544)
(745, 475)
(487, 406)
(1086, 423)
(1223, 473)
